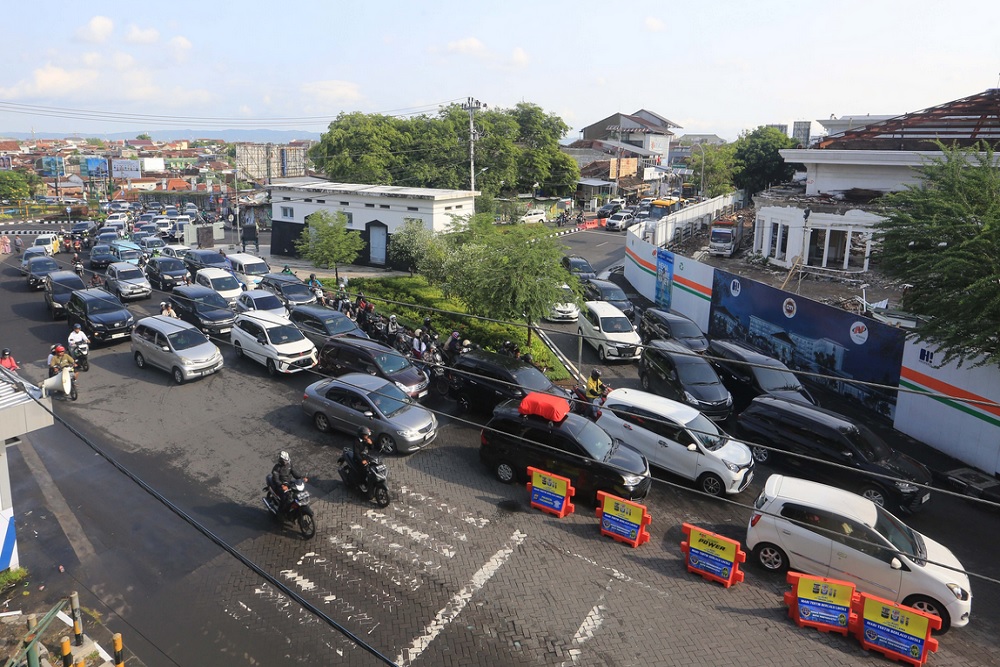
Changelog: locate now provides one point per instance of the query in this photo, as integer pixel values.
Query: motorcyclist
(76, 336)
(95, 280)
(313, 282)
(392, 328)
(61, 360)
(595, 390)
(362, 452)
(167, 310)
(7, 361)
(282, 473)
(288, 271)
(454, 344)
(418, 345)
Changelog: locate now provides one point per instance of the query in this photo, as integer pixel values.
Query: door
(674, 452)
(376, 243)
(858, 556)
(157, 355)
(808, 548)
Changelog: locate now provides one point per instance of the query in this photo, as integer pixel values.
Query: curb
(574, 371)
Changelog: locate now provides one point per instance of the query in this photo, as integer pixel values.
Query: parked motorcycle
(373, 486)
(297, 511)
(81, 353)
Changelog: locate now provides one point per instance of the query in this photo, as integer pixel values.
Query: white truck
(726, 236)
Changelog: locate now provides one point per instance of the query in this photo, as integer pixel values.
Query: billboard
(50, 167)
(126, 169)
(93, 167)
(5, 163)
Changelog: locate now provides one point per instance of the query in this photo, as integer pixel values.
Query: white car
(619, 221)
(222, 281)
(174, 250)
(163, 224)
(829, 532)
(533, 216)
(274, 342)
(45, 241)
(567, 311)
(609, 331)
(261, 301)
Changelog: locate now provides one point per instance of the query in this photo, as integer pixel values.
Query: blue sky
(715, 66)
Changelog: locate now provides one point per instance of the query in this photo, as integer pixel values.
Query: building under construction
(263, 162)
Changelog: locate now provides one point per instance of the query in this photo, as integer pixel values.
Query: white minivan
(678, 438)
(826, 531)
(248, 269)
(609, 331)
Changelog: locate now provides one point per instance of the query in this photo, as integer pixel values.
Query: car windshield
(708, 434)
(339, 325)
(170, 264)
(775, 378)
(130, 274)
(595, 440)
(154, 243)
(695, 372)
(225, 283)
(389, 400)
(532, 379)
(269, 302)
(613, 294)
(721, 235)
(183, 340)
(44, 264)
(100, 250)
(901, 536)
(391, 363)
(255, 268)
(213, 259)
(128, 254)
(67, 285)
(616, 324)
(869, 445)
(296, 290)
(104, 306)
(580, 265)
(568, 295)
(209, 301)
(284, 333)
(685, 329)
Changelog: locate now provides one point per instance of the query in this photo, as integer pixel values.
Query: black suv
(195, 260)
(661, 324)
(579, 267)
(479, 380)
(348, 354)
(608, 210)
(83, 229)
(821, 434)
(673, 371)
(288, 288)
(605, 290)
(748, 373)
(39, 267)
(319, 323)
(59, 285)
(100, 314)
(101, 257)
(164, 273)
(573, 447)
(202, 307)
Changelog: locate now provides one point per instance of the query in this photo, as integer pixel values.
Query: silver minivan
(248, 269)
(174, 346)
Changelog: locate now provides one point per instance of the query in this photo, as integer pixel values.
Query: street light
(701, 192)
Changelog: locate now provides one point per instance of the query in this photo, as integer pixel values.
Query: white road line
(591, 624)
(457, 603)
(600, 244)
(429, 502)
(298, 579)
(397, 576)
(446, 550)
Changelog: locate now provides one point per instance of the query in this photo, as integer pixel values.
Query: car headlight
(402, 387)
(409, 434)
(632, 480)
(729, 399)
(97, 326)
(689, 397)
(906, 487)
(958, 591)
(732, 466)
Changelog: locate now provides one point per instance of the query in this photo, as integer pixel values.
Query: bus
(660, 208)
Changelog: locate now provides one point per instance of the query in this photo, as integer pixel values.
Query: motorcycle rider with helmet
(281, 474)
(7, 361)
(362, 451)
(595, 390)
(61, 360)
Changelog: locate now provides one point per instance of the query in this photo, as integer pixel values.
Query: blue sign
(546, 498)
(710, 563)
(621, 518)
(664, 277)
(895, 629)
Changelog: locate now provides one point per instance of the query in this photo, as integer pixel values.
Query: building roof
(328, 187)
(642, 121)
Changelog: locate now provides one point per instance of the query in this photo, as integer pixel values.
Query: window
(447, 208)
(320, 201)
(287, 212)
(459, 206)
(345, 203)
(411, 208)
(309, 200)
(286, 198)
(369, 205)
(383, 206)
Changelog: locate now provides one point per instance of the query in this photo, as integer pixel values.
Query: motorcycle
(67, 244)
(77, 245)
(297, 511)
(86, 242)
(582, 404)
(562, 219)
(436, 369)
(81, 353)
(78, 268)
(374, 486)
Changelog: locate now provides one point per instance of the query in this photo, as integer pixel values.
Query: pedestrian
(5, 244)
(18, 244)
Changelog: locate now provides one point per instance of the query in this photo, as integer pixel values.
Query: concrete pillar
(782, 230)
(847, 247)
(826, 247)
(868, 251)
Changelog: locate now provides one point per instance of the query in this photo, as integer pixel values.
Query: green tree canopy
(14, 186)
(943, 238)
(326, 241)
(410, 244)
(756, 161)
(144, 137)
(719, 166)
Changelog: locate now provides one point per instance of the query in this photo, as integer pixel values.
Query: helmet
(596, 374)
(418, 333)
(287, 268)
(60, 349)
(6, 352)
(284, 457)
(527, 357)
(427, 322)
(454, 334)
(392, 318)
(53, 349)
(466, 343)
(312, 276)
(77, 327)
(163, 304)
(364, 432)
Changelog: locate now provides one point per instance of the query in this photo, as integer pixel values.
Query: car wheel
(140, 360)
(644, 381)
(932, 607)
(760, 454)
(712, 484)
(238, 348)
(504, 472)
(178, 375)
(120, 297)
(601, 354)
(770, 557)
(272, 370)
(876, 494)
(387, 444)
(322, 422)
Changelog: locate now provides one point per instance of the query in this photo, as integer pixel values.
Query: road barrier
(896, 631)
(714, 557)
(622, 520)
(821, 603)
(550, 493)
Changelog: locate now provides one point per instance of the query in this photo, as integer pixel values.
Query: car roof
(204, 251)
(283, 277)
(603, 309)
(314, 309)
(366, 343)
(743, 352)
(668, 315)
(243, 257)
(509, 363)
(665, 407)
(213, 272)
(63, 275)
(193, 290)
(602, 284)
(123, 265)
(264, 317)
(164, 323)
(806, 410)
(96, 294)
(672, 346)
(364, 381)
(39, 258)
(176, 246)
(258, 293)
(821, 496)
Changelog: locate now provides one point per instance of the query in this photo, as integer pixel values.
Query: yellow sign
(893, 617)
(624, 511)
(541, 481)
(708, 543)
(824, 591)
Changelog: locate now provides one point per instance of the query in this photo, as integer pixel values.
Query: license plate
(119, 335)
(422, 394)
(226, 330)
(926, 497)
(429, 436)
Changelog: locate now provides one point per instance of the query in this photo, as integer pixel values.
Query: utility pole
(472, 106)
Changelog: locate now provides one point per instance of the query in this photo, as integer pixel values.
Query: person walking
(18, 244)
(5, 244)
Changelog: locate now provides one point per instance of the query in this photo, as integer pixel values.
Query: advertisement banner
(622, 520)
(50, 167)
(550, 493)
(664, 277)
(94, 167)
(893, 628)
(126, 169)
(821, 603)
(714, 557)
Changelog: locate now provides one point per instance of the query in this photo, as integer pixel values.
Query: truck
(726, 236)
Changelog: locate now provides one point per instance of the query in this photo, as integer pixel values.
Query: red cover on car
(546, 406)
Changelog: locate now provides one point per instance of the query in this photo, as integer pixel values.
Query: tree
(34, 181)
(757, 163)
(95, 142)
(410, 244)
(359, 148)
(326, 241)
(943, 238)
(718, 161)
(144, 137)
(13, 186)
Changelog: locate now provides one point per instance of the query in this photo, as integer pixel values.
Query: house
(643, 129)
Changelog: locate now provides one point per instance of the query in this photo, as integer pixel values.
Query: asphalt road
(457, 571)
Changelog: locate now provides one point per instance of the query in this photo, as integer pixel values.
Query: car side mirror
(260, 339)
(369, 414)
(847, 455)
(165, 348)
(692, 447)
(895, 564)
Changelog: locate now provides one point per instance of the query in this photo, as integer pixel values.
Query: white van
(609, 331)
(45, 241)
(249, 269)
(826, 531)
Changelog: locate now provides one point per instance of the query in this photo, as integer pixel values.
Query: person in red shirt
(7, 361)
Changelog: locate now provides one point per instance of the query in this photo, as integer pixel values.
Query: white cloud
(180, 46)
(98, 29)
(245, 110)
(138, 35)
(469, 46)
(92, 59)
(51, 81)
(331, 93)
(520, 57)
(654, 24)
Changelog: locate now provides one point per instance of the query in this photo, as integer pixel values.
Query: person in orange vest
(7, 360)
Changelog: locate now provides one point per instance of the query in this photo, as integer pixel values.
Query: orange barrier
(898, 632)
(589, 224)
(622, 520)
(714, 557)
(821, 603)
(550, 493)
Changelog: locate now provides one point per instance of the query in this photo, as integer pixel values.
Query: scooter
(582, 404)
(373, 486)
(78, 268)
(297, 511)
(81, 354)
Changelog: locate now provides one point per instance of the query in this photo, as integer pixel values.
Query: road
(458, 570)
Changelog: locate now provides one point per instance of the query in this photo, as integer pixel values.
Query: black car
(797, 427)
(101, 257)
(319, 323)
(479, 380)
(59, 285)
(100, 314)
(164, 273)
(608, 210)
(202, 307)
(572, 447)
(288, 288)
(748, 374)
(195, 260)
(605, 290)
(346, 354)
(83, 229)
(674, 371)
(657, 324)
(37, 268)
(579, 267)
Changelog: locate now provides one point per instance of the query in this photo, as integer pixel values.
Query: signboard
(622, 520)
(550, 493)
(94, 167)
(5, 163)
(664, 277)
(901, 633)
(126, 169)
(51, 167)
(821, 603)
(714, 557)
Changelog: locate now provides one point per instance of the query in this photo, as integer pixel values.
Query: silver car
(262, 300)
(357, 399)
(127, 281)
(175, 346)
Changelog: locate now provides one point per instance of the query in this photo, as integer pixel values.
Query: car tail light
(482, 437)
(599, 413)
(754, 519)
(305, 396)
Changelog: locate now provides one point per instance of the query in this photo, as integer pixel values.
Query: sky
(717, 66)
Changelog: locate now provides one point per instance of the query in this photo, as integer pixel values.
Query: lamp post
(701, 191)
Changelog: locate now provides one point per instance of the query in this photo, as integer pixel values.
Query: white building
(376, 211)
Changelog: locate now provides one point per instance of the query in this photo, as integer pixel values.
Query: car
(31, 253)
(272, 341)
(479, 379)
(262, 301)
(222, 281)
(117, 223)
(609, 331)
(620, 221)
(164, 273)
(673, 371)
(345, 404)
(829, 532)
(609, 210)
(154, 206)
(174, 250)
(319, 322)
(106, 238)
(59, 285)
(45, 242)
(163, 225)
(567, 311)
(658, 324)
(202, 307)
(152, 245)
(171, 211)
(145, 218)
(178, 225)
(774, 425)
(138, 236)
(198, 259)
(127, 281)
(82, 229)
(748, 373)
(126, 251)
(605, 290)
(248, 269)
(148, 228)
(579, 267)
(533, 216)
(678, 438)
(519, 435)
(174, 346)
(288, 288)
(101, 257)
(100, 314)
(36, 270)
(347, 354)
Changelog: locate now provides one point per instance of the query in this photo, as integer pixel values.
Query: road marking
(397, 576)
(299, 580)
(457, 603)
(446, 550)
(428, 501)
(601, 243)
(591, 624)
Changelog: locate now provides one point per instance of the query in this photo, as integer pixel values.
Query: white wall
(791, 219)
(152, 164)
(826, 178)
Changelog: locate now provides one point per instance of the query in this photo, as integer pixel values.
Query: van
(174, 346)
(825, 531)
(248, 269)
(45, 242)
(126, 251)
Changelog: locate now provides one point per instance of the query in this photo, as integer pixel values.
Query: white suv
(272, 341)
(619, 221)
(609, 331)
(222, 281)
(533, 216)
(829, 532)
(678, 438)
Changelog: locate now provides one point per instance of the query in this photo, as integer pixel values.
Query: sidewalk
(303, 268)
